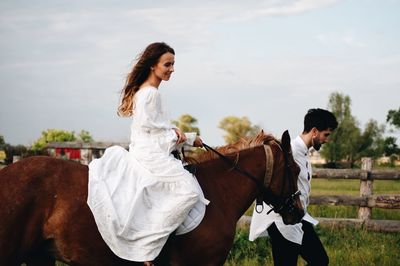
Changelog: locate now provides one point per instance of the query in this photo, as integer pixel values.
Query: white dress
(140, 197)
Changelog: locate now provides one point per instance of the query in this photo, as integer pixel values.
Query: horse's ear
(285, 141)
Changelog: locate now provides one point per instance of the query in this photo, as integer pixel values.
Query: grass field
(345, 246)
(352, 187)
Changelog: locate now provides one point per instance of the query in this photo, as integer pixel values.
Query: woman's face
(165, 66)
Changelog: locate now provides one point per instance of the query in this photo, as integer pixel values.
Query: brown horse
(44, 216)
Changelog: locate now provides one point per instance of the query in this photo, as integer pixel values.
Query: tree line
(39, 146)
(349, 142)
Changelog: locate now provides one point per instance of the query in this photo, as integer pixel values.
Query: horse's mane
(242, 144)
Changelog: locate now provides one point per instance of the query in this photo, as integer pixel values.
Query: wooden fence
(366, 201)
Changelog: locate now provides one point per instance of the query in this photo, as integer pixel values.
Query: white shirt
(261, 221)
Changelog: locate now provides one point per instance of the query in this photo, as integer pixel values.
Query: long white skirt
(139, 198)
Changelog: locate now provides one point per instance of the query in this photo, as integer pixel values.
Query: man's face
(320, 138)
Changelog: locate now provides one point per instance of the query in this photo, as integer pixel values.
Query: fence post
(364, 213)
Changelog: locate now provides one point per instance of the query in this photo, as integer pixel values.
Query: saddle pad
(194, 218)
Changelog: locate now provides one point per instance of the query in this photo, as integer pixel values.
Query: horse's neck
(231, 191)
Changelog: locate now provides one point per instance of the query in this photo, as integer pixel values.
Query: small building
(394, 158)
(83, 152)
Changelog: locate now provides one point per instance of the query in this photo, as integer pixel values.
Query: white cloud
(348, 39)
(283, 8)
(187, 22)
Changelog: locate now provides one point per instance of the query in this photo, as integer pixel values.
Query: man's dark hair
(320, 119)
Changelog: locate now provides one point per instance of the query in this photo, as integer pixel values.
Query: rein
(278, 204)
(234, 165)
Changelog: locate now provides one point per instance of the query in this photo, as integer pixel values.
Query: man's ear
(314, 132)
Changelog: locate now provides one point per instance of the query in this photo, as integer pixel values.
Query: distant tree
(187, 123)
(393, 117)
(85, 136)
(11, 151)
(3, 155)
(390, 146)
(2, 142)
(371, 142)
(348, 141)
(53, 135)
(345, 139)
(237, 128)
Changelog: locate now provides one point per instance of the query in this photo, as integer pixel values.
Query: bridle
(279, 203)
(287, 203)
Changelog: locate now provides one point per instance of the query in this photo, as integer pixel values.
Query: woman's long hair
(140, 73)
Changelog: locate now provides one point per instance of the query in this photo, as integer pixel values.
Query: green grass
(351, 187)
(322, 187)
(345, 246)
(351, 212)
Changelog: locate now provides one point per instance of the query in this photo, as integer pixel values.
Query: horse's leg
(8, 256)
(9, 262)
(44, 255)
(208, 244)
(41, 259)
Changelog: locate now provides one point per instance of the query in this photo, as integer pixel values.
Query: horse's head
(276, 180)
(281, 182)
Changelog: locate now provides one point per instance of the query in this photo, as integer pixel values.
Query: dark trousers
(285, 252)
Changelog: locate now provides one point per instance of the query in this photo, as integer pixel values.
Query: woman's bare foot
(148, 263)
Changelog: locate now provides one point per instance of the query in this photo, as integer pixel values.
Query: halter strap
(279, 204)
(234, 165)
(269, 168)
(269, 165)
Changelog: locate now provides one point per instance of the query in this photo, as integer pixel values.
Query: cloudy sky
(63, 62)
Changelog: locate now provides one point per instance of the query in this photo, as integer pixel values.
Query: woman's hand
(181, 136)
(198, 142)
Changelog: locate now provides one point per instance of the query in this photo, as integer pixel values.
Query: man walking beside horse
(290, 241)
